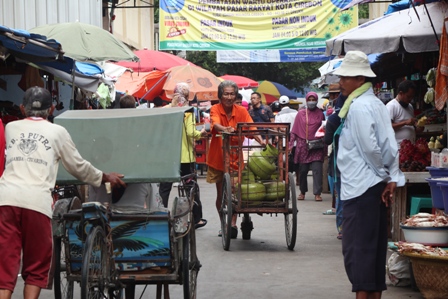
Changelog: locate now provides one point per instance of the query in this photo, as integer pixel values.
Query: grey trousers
(317, 169)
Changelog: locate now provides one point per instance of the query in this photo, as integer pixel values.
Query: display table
(399, 208)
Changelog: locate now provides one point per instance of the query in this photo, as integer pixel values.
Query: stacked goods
(251, 190)
(414, 157)
(426, 220)
(420, 249)
(275, 190)
(426, 229)
(261, 166)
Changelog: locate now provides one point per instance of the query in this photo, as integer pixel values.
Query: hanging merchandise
(442, 71)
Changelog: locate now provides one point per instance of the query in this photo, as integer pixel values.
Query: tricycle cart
(109, 251)
(256, 179)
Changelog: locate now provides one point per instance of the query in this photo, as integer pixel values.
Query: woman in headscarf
(305, 126)
(188, 158)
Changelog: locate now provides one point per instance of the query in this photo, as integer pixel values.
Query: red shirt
(2, 148)
(218, 116)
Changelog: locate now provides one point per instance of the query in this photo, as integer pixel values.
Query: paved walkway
(263, 267)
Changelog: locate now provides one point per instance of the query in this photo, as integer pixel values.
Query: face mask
(311, 105)
(403, 104)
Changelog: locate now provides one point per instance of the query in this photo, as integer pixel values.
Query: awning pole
(72, 99)
(432, 25)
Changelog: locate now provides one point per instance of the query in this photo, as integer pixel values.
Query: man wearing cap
(368, 161)
(288, 115)
(34, 148)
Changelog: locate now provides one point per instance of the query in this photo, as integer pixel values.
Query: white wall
(135, 26)
(27, 14)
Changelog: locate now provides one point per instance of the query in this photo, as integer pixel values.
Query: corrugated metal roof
(27, 14)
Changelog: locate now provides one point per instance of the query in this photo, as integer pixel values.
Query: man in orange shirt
(224, 118)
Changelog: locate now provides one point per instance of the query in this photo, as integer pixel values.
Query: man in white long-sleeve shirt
(34, 148)
(368, 161)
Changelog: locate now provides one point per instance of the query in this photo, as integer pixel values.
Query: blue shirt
(368, 152)
(261, 114)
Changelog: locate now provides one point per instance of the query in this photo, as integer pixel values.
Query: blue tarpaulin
(29, 46)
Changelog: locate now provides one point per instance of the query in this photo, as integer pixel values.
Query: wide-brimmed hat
(355, 63)
(334, 87)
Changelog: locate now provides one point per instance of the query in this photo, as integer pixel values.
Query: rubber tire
(95, 285)
(291, 216)
(226, 211)
(246, 228)
(63, 289)
(190, 265)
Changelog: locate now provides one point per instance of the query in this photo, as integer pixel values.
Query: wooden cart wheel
(291, 216)
(63, 289)
(226, 211)
(190, 265)
(95, 272)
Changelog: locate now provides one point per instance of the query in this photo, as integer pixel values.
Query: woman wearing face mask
(305, 126)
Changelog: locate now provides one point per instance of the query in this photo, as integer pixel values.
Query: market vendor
(224, 118)
(402, 113)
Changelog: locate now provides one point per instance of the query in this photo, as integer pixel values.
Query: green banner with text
(205, 25)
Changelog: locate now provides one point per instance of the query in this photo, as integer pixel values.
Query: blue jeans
(336, 187)
(339, 204)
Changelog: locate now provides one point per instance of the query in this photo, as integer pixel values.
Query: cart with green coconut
(256, 179)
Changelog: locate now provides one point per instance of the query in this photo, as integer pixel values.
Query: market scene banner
(209, 25)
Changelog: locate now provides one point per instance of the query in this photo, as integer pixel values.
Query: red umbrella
(242, 82)
(203, 84)
(151, 60)
(142, 85)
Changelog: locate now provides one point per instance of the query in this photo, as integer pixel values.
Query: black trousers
(364, 241)
(165, 189)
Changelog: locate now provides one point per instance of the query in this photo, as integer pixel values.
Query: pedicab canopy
(142, 144)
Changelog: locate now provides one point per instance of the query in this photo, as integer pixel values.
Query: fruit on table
(414, 157)
(431, 143)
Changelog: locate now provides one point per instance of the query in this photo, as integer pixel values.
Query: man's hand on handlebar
(115, 179)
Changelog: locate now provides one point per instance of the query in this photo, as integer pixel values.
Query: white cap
(283, 100)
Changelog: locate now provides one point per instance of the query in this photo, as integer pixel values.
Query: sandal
(201, 223)
(301, 197)
(234, 232)
(339, 236)
(220, 233)
(329, 212)
(317, 198)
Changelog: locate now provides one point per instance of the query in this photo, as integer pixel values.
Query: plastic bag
(320, 133)
(398, 270)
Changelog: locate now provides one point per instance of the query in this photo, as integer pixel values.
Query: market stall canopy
(400, 30)
(151, 60)
(142, 152)
(28, 46)
(327, 69)
(84, 42)
(86, 76)
(241, 81)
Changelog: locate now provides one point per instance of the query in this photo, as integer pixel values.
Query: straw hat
(334, 87)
